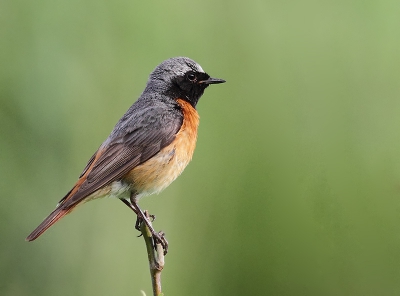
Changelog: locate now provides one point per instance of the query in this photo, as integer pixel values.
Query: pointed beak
(212, 81)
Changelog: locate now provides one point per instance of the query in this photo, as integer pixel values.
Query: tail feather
(56, 215)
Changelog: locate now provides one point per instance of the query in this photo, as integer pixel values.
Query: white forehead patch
(199, 68)
(193, 65)
(179, 66)
(188, 66)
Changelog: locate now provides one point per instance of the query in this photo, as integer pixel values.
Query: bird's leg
(157, 237)
(138, 219)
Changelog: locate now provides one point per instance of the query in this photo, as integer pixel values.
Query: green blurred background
(294, 188)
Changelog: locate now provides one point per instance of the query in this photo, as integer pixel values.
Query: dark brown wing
(141, 133)
(148, 126)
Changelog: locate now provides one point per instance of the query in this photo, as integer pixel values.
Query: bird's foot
(158, 237)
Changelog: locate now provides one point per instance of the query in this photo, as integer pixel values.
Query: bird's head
(181, 78)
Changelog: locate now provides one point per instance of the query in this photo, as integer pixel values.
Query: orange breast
(158, 172)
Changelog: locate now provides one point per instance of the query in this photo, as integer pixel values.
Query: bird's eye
(191, 76)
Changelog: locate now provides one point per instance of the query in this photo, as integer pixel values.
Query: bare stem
(155, 256)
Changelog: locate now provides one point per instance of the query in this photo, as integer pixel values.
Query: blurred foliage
(294, 188)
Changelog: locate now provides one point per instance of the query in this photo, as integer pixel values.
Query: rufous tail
(56, 215)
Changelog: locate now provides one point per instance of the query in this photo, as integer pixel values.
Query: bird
(148, 148)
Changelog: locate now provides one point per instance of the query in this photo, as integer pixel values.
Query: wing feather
(135, 139)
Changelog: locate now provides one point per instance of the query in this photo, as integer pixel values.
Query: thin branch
(155, 256)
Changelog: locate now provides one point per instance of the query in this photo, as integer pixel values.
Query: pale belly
(162, 169)
(151, 177)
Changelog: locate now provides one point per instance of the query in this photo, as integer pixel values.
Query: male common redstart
(148, 148)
